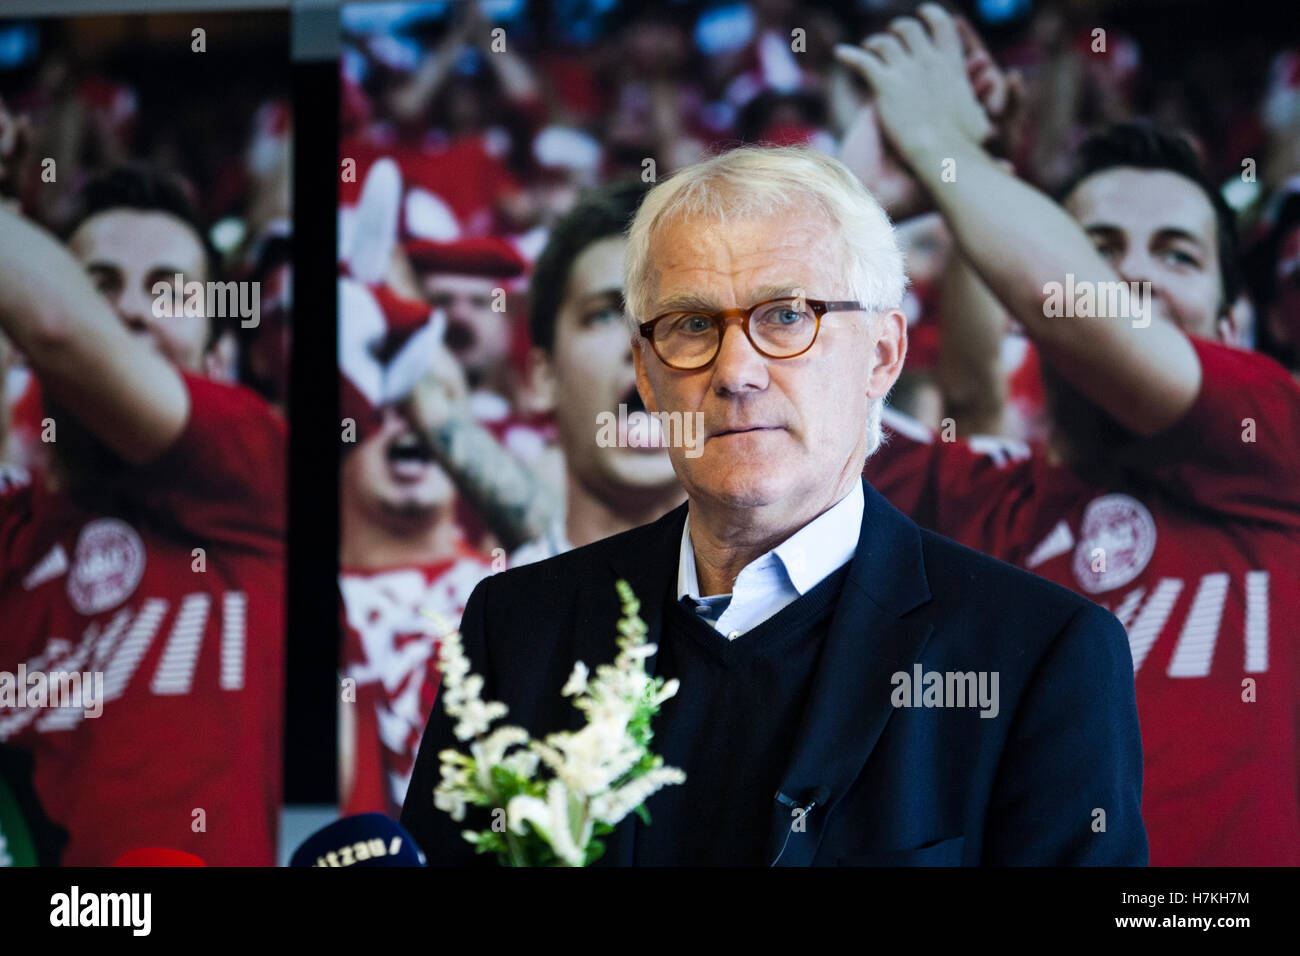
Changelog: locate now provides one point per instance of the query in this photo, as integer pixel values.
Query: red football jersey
(1195, 547)
(169, 583)
(389, 650)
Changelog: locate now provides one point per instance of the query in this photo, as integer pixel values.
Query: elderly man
(854, 690)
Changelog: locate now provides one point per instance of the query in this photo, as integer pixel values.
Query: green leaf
(595, 850)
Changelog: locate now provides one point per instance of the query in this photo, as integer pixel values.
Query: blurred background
(111, 115)
(104, 91)
(477, 128)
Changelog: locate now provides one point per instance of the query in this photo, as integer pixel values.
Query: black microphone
(819, 796)
(364, 839)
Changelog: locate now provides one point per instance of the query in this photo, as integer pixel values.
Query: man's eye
(1181, 258)
(782, 317)
(1110, 250)
(693, 324)
(603, 317)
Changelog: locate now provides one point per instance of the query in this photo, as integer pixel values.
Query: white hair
(756, 182)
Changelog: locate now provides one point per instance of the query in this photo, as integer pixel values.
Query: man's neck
(367, 545)
(726, 540)
(588, 517)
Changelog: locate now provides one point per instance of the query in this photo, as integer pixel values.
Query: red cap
(485, 256)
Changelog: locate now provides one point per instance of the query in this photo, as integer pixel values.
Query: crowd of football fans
(498, 153)
(142, 440)
(491, 156)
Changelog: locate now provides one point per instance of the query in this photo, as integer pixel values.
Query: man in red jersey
(1170, 490)
(405, 569)
(149, 557)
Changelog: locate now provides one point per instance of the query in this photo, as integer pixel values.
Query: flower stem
(517, 856)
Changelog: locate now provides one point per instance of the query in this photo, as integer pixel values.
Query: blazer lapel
(869, 640)
(650, 567)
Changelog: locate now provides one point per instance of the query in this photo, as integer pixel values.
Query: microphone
(364, 839)
(818, 797)
(158, 856)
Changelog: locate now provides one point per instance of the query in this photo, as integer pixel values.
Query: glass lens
(783, 328)
(686, 339)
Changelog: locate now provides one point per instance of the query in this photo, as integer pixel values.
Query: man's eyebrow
(1104, 228)
(781, 290)
(614, 293)
(1178, 234)
(1163, 234)
(685, 302)
(697, 302)
(165, 274)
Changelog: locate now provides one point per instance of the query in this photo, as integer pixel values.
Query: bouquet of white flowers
(552, 801)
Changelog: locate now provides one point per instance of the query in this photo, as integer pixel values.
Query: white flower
(525, 809)
(584, 765)
(450, 801)
(613, 806)
(522, 762)
(551, 819)
(670, 689)
(491, 750)
(577, 682)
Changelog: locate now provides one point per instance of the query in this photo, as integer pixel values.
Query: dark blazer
(1054, 779)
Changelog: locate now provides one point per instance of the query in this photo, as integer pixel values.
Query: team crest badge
(107, 567)
(1116, 541)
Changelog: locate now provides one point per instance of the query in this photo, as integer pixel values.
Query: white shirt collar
(806, 557)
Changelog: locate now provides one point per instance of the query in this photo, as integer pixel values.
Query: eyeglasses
(776, 328)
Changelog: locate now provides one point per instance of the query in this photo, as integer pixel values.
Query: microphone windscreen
(158, 856)
(364, 839)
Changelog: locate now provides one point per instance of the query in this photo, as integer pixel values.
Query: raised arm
(124, 392)
(1143, 372)
(512, 501)
(972, 323)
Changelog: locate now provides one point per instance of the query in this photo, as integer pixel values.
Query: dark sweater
(731, 728)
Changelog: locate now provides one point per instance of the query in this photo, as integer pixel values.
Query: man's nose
(1138, 266)
(135, 309)
(738, 367)
(460, 310)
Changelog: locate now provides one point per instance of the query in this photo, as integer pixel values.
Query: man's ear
(642, 378)
(539, 381)
(1233, 321)
(221, 361)
(888, 354)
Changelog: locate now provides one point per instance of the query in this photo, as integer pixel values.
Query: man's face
(591, 372)
(777, 431)
(392, 476)
(477, 335)
(125, 252)
(1157, 226)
